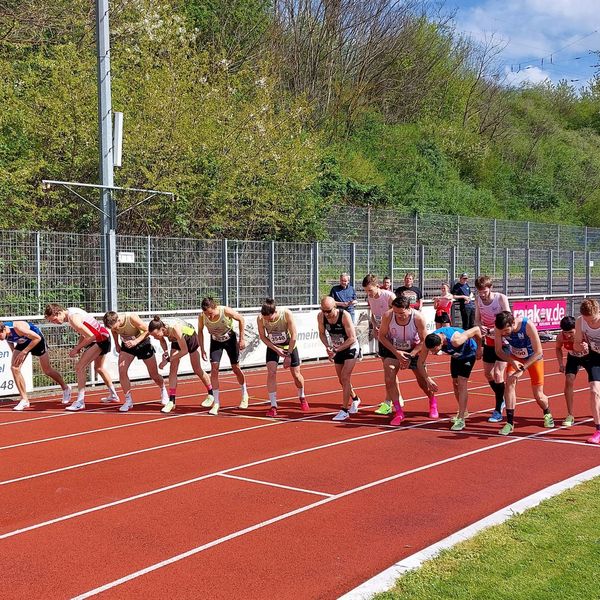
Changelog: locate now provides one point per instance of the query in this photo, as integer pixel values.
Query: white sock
(273, 399)
(215, 394)
(81, 396)
(301, 393)
(128, 397)
(244, 389)
(113, 391)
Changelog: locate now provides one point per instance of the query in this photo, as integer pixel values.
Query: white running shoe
(66, 395)
(341, 416)
(77, 405)
(244, 401)
(127, 405)
(354, 406)
(23, 404)
(214, 410)
(110, 399)
(168, 407)
(208, 401)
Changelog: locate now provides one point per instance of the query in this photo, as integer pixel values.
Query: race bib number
(378, 320)
(519, 352)
(279, 338)
(595, 346)
(222, 338)
(402, 345)
(337, 340)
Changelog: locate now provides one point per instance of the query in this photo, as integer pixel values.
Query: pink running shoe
(397, 420)
(433, 409)
(272, 412)
(304, 407)
(595, 439)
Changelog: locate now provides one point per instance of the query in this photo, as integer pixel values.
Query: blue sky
(561, 32)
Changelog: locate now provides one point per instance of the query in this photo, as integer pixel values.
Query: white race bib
(402, 345)
(519, 352)
(222, 338)
(595, 346)
(337, 340)
(278, 337)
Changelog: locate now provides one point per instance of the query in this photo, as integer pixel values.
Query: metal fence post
(225, 271)
(478, 260)
(149, 263)
(527, 268)
(558, 237)
(315, 273)
(452, 266)
(368, 242)
(588, 272)
(416, 240)
(110, 282)
(550, 274)
(572, 272)
(527, 234)
(38, 270)
(421, 267)
(506, 269)
(585, 246)
(353, 264)
(495, 249)
(272, 269)
(391, 264)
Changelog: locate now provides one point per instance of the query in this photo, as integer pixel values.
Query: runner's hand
(20, 359)
(287, 361)
(204, 357)
(561, 368)
(242, 344)
(432, 385)
(129, 343)
(73, 353)
(479, 353)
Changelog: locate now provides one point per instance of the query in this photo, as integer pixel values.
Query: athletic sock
(209, 389)
(499, 393)
(598, 427)
(301, 393)
(354, 398)
(112, 390)
(273, 399)
(215, 394)
(244, 389)
(172, 395)
(510, 415)
(547, 411)
(81, 396)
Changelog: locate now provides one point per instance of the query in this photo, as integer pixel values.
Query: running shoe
(66, 395)
(341, 416)
(304, 407)
(272, 412)
(168, 407)
(110, 399)
(569, 421)
(595, 439)
(127, 405)
(397, 420)
(208, 401)
(214, 411)
(507, 429)
(496, 417)
(77, 405)
(384, 409)
(354, 406)
(23, 404)
(458, 425)
(455, 417)
(548, 421)
(433, 409)
(244, 401)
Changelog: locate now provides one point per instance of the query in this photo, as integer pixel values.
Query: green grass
(549, 552)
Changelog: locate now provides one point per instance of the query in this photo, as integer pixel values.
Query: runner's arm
(141, 327)
(579, 337)
(536, 344)
(350, 332)
(23, 329)
(499, 349)
(183, 349)
(293, 331)
(559, 353)
(85, 338)
(236, 316)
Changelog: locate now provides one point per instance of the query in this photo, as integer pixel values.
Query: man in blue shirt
(462, 292)
(344, 295)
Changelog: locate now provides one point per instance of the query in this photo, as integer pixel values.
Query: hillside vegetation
(262, 115)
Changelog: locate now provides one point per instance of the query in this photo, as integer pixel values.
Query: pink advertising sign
(546, 314)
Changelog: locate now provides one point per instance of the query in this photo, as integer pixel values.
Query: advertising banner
(545, 314)
(7, 383)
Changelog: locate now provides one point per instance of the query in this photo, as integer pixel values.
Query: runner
(345, 295)
(218, 320)
(380, 301)
(412, 292)
(277, 330)
(134, 343)
(462, 292)
(26, 338)
(184, 340)
(464, 348)
(401, 336)
(575, 360)
(587, 329)
(443, 306)
(338, 335)
(525, 354)
(94, 340)
(487, 305)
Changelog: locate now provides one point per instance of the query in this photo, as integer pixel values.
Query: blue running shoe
(496, 417)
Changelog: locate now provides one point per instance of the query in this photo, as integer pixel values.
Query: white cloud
(529, 74)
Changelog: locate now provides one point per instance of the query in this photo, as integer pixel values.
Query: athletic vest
(337, 331)
(379, 306)
(520, 342)
(464, 351)
(220, 329)
(568, 346)
(444, 305)
(99, 332)
(487, 314)
(403, 337)
(186, 328)
(591, 335)
(128, 330)
(14, 338)
(277, 331)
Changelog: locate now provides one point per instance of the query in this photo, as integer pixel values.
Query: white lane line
(277, 485)
(220, 472)
(287, 515)
(386, 579)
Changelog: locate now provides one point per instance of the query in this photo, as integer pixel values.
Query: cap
(464, 274)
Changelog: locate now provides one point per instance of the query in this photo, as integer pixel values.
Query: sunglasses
(327, 311)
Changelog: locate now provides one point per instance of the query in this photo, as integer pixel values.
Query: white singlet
(379, 306)
(99, 332)
(487, 315)
(404, 337)
(591, 335)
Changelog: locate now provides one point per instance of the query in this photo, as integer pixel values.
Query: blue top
(340, 294)
(520, 342)
(464, 351)
(463, 289)
(14, 338)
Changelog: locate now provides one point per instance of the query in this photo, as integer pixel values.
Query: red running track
(145, 505)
